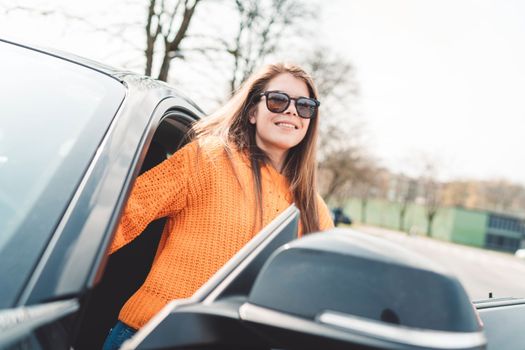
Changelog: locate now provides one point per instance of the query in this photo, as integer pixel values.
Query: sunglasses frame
(295, 99)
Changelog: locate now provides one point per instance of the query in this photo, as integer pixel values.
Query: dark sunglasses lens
(277, 102)
(306, 107)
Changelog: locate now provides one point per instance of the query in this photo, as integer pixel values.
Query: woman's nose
(291, 108)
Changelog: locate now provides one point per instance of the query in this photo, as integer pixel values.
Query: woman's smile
(285, 125)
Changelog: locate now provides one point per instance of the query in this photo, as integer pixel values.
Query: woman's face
(276, 133)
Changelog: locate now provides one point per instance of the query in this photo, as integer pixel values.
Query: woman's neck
(276, 155)
(277, 160)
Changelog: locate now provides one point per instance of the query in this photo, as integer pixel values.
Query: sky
(437, 78)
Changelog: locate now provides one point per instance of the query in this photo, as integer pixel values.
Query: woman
(247, 163)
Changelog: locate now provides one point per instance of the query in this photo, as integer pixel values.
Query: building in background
(479, 228)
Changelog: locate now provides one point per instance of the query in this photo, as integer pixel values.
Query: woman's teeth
(286, 125)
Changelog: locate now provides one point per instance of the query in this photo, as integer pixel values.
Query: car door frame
(227, 282)
(75, 256)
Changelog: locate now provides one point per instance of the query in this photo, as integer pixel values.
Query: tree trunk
(164, 68)
(402, 213)
(150, 39)
(149, 60)
(364, 203)
(430, 219)
(171, 48)
(334, 186)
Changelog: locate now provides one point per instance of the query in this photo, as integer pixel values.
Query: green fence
(451, 224)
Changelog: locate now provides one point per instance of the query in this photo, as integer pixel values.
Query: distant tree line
(497, 195)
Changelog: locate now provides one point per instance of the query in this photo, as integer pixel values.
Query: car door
(47, 277)
(503, 321)
(208, 319)
(124, 271)
(55, 118)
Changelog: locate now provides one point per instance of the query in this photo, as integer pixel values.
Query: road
(480, 271)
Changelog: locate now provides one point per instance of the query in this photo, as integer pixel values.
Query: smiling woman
(247, 163)
(252, 123)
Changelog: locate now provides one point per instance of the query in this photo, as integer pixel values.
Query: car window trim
(19, 322)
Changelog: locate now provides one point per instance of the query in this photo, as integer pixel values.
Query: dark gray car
(74, 135)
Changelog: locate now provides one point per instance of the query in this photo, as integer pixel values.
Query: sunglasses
(278, 102)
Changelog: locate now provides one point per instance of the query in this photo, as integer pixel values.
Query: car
(520, 253)
(74, 135)
(339, 217)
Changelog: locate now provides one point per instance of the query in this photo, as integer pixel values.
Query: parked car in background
(520, 253)
(340, 217)
(74, 135)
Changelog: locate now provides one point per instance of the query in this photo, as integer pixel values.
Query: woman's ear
(252, 118)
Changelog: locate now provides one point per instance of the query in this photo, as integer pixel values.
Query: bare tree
(336, 84)
(342, 157)
(339, 167)
(99, 21)
(405, 193)
(367, 183)
(430, 191)
(497, 195)
(167, 26)
(261, 27)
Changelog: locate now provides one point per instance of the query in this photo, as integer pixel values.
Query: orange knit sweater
(210, 215)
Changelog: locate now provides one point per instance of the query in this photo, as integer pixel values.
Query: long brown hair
(231, 125)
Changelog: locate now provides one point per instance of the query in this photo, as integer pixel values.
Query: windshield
(53, 116)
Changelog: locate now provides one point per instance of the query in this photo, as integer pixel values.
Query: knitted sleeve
(325, 219)
(161, 191)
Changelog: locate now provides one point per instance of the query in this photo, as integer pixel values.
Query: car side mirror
(345, 287)
(334, 290)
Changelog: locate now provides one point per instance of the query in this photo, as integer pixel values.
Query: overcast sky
(446, 78)
(439, 77)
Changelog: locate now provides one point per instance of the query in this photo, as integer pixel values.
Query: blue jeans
(118, 335)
